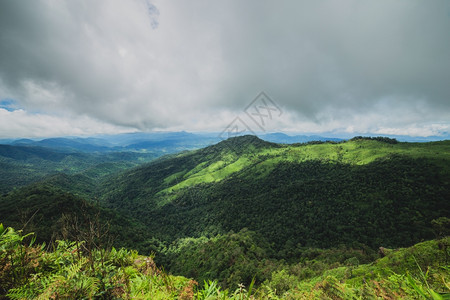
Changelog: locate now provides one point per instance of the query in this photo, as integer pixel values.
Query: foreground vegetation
(67, 271)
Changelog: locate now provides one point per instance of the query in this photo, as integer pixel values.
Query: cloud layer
(367, 66)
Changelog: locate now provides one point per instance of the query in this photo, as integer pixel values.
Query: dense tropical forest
(244, 218)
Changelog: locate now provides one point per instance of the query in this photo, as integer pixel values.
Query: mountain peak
(242, 143)
(245, 138)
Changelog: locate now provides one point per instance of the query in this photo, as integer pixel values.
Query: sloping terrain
(55, 214)
(316, 194)
(22, 165)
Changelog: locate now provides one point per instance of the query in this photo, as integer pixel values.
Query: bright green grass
(174, 177)
(262, 161)
(214, 172)
(363, 152)
(197, 169)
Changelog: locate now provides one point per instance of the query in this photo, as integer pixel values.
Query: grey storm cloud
(154, 64)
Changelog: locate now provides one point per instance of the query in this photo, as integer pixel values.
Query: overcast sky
(85, 67)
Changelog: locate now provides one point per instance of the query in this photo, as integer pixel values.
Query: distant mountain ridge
(161, 142)
(171, 142)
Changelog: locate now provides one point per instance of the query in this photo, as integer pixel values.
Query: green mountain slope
(56, 214)
(374, 192)
(22, 165)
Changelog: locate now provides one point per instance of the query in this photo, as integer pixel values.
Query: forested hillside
(318, 195)
(240, 210)
(55, 214)
(22, 165)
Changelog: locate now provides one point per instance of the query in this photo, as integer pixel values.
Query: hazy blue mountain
(160, 143)
(291, 139)
(156, 142)
(68, 144)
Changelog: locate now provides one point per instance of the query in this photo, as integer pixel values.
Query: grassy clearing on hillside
(359, 152)
(216, 171)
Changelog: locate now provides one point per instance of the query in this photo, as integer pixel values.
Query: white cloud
(19, 123)
(192, 65)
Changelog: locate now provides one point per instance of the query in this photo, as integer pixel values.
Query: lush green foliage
(233, 259)
(54, 214)
(243, 257)
(67, 272)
